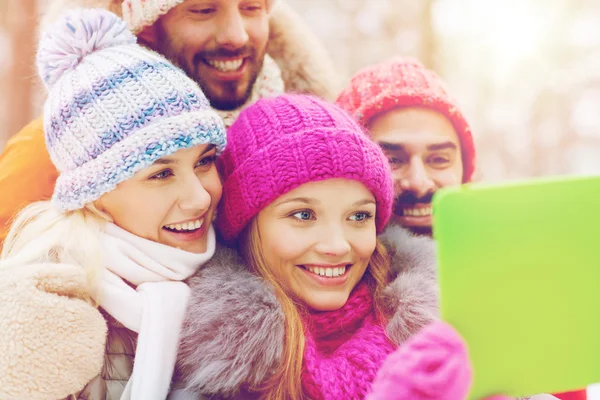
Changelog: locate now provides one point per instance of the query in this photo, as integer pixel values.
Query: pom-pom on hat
(277, 144)
(405, 82)
(113, 107)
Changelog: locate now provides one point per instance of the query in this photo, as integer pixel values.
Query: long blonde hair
(41, 233)
(286, 382)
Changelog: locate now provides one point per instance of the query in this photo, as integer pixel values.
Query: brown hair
(286, 382)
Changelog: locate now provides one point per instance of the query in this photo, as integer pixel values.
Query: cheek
(284, 245)
(449, 177)
(364, 244)
(143, 215)
(212, 184)
(186, 38)
(258, 32)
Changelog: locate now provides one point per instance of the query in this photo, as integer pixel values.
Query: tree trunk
(16, 82)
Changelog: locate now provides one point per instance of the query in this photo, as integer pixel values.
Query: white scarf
(141, 288)
(269, 83)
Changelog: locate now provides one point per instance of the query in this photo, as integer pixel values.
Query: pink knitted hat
(142, 13)
(405, 82)
(280, 143)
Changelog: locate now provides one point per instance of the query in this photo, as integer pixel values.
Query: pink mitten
(432, 365)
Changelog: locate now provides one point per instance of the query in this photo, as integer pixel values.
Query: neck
(139, 260)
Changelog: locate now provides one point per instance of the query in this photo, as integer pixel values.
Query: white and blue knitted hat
(113, 107)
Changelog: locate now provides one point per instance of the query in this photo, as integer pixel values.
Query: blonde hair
(286, 382)
(41, 233)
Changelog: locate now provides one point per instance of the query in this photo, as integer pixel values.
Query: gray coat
(234, 330)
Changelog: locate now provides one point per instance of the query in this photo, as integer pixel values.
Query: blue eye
(304, 215)
(361, 216)
(164, 174)
(206, 161)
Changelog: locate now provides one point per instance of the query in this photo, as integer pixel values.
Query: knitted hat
(113, 107)
(280, 143)
(142, 13)
(405, 82)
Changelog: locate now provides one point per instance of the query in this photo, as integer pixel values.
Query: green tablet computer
(519, 270)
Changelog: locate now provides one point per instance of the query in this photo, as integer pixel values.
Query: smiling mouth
(186, 227)
(327, 272)
(416, 211)
(233, 65)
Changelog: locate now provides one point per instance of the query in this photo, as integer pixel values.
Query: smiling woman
(170, 202)
(318, 240)
(306, 202)
(135, 143)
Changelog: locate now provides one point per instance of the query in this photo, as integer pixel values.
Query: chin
(327, 301)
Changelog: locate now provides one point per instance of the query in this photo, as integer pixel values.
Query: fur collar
(305, 64)
(234, 331)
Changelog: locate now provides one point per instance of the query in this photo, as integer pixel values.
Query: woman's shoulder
(411, 298)
(234, 328)
(52, 339)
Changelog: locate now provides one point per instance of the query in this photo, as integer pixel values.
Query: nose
(333, 241)
(232, 30)
(417, 179)
(194, 199)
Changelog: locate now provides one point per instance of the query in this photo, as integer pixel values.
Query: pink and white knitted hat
(405, 82)
(142, 13)
(280, 143)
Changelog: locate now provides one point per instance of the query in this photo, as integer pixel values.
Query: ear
(148, 36)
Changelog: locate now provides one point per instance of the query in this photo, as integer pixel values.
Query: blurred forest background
(526, 72)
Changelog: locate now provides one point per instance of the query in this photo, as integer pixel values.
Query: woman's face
(170, 202)
(318, 239)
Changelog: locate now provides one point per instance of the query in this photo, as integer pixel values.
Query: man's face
(220, 44)
(424, 152)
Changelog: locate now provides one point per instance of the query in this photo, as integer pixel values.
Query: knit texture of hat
(142, 13)
(113, 107)
(405, 82)
(280, 143)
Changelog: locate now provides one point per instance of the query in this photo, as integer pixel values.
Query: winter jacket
(26, 171)
(411, 299)
(56, 345)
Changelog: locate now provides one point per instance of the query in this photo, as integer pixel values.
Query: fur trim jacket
(54, 342)
(233, 334)
(304, 62)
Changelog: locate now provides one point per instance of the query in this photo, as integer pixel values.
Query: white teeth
(417, 212)
(186, 226)
(226, 66)
(328, 272)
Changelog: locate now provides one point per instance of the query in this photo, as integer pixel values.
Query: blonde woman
(92, 291)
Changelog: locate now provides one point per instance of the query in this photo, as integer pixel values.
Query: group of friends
(201, 213)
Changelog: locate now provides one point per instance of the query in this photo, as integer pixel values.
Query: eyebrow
(432, 147)
(297, 199)
(168, 161)
(364, 202)
(442, 146)
(391, 146)
(313, 201)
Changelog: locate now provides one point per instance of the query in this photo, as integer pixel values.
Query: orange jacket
(26, 173)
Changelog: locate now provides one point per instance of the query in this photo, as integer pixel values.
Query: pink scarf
(344, 349)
